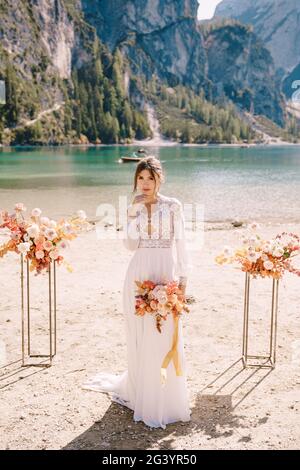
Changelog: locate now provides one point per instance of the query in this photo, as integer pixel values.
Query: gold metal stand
(267, 361)
(52, 316)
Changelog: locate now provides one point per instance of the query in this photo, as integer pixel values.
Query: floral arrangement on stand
(40, 239)
(264, 258)
(159, 300)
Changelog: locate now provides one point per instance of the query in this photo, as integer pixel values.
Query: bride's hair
(153, 165)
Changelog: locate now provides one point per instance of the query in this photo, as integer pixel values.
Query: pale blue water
(255, 183)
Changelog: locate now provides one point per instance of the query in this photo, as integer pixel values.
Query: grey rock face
(173, 54)
(114, 19)
(244, 70)
(276, 22)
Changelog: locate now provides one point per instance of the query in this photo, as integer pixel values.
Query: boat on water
(131, 159)
(136, 156)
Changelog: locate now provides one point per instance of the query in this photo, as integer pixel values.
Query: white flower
(45, 220)
(50, 234)
(267, 248)
(162, 298)
(253, 256)
(81, 215)
(24, 247)
(160, 294)
(39, 254)
(54, 254)
(268, 265)
(156, 290)
(278, 252)
(264, 257)
(36, 212)
(33, 230)
(47, 245)
(52, 224)
(20, 207)
(67, 228)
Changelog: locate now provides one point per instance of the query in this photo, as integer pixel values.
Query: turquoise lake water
(256, 183)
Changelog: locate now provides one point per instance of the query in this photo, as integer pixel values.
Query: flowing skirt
(140, 387)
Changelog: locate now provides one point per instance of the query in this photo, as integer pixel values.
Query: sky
(207, 8)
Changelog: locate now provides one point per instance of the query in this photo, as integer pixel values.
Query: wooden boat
(131, 159)
(137, 156)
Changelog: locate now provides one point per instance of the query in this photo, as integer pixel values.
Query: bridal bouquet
(159, 300)
(265, 258)
(40, 239)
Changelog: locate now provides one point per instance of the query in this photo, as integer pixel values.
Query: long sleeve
(131, 238)
(183, 266)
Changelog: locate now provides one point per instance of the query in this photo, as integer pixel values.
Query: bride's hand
(138, 199)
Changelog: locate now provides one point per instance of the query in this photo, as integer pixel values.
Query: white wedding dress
(159, 256)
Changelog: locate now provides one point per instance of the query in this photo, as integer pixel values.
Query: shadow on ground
(214, 415)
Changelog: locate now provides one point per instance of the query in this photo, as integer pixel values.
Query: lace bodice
(167, 228)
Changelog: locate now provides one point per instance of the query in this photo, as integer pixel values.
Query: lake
(256, 183)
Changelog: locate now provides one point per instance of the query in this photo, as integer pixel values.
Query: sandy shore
(232, 408)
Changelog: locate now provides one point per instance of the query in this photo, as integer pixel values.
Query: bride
(155, 232)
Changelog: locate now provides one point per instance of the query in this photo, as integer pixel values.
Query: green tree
(117, 73)
(11, 106)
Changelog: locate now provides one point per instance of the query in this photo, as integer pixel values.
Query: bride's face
(146, 183)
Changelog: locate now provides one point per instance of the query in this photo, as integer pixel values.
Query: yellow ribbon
(172, 355)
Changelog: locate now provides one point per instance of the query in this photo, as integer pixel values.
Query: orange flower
(149, 284)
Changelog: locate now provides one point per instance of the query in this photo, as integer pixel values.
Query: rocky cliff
(276, 22)
(114, 19)
(244, 70)
(43, 41)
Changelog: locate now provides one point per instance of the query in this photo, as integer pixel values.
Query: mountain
(243, 69)
(157, 36)
(163, 38)
(63, 85)
(115, 19)
(79, 69)
(276, 22)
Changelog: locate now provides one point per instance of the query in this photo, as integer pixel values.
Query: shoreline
(157, 144)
